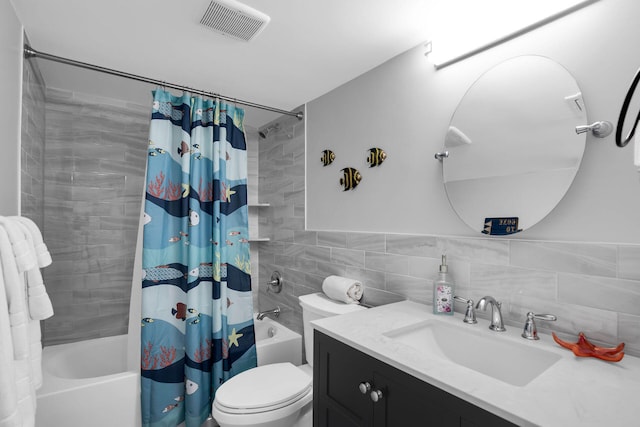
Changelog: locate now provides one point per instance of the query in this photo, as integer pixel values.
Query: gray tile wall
(32, 144)
(251, 135)
(594, 288)
(95, 157)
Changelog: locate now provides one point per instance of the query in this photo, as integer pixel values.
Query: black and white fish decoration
(350, 178)
(328, 157)
(376, 157)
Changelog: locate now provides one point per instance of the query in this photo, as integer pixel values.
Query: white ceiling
(309, 48)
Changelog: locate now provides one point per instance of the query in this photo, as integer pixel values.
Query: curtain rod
(30, 52)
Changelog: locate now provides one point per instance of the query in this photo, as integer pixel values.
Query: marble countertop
(573, 391)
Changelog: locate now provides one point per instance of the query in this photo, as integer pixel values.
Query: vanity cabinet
(353, 389)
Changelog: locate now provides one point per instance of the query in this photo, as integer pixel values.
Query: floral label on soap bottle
(444, 299)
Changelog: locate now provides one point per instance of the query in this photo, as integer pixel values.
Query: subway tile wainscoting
(591, 287)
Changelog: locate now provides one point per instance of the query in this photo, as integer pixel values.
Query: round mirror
(513, 150)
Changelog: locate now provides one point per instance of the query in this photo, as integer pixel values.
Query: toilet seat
(262, 389)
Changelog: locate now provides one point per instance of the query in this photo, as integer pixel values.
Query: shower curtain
(197, 314)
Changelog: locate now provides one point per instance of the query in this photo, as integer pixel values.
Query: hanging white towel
(21, 309)
(21, 249)
(21, 399)
(9, 411)
(42, 252)
(342, 289)
(40, 306)
(16, 299)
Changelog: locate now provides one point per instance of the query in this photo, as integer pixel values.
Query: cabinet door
(408, 401)
(404, 400)
(338, 371)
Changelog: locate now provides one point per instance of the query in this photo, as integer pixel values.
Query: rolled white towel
(342, 289)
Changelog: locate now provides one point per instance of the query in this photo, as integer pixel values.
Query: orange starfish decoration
(583, 348)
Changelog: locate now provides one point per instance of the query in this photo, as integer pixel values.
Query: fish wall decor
(328, 157)
(350, 178)
(376, 157)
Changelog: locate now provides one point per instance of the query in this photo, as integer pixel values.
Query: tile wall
(593, 288)
(32, 144)
(95, 156)
(84, 190)
(93, 174)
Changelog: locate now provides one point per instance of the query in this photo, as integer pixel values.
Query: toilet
(280, 394)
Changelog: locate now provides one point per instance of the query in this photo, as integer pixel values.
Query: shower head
(266, 131)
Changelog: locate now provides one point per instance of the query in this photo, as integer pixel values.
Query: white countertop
(574, 391)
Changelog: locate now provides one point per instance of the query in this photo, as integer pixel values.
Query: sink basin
(483, 351)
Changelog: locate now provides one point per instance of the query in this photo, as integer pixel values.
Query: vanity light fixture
(464, 28)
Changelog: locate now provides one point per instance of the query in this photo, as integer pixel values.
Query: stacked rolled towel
(343, 289)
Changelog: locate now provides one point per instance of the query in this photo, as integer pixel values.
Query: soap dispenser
(443, 290)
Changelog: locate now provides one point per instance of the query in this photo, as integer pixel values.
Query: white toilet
(277, 395)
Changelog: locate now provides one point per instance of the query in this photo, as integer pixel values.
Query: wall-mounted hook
(599, 129)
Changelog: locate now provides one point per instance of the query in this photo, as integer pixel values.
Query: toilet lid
(264, 387)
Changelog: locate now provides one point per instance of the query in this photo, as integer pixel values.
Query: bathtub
(87, 383)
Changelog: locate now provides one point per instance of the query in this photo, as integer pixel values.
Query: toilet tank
(318, 306)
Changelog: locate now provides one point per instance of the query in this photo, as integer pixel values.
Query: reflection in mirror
(513, 149)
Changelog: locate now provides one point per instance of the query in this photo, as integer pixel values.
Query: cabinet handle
(376, 395)
(364, 387)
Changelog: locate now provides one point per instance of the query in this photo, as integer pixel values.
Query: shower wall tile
(32, 149)
(593, 288)
(93, 185)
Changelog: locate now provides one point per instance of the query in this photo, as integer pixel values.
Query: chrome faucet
(496, 314)
(469, 313)
(261, 315)
(530, 331)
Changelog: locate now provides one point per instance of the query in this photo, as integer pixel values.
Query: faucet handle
(469, 313)
(530, 331)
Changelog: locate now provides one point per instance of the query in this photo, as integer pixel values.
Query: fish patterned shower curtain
(197, 310)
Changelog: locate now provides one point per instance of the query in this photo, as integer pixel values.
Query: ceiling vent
(234, 19)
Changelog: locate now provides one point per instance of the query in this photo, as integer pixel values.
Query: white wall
(10, 107)
(404, 106)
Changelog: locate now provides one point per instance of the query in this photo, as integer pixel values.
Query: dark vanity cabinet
(353, 389)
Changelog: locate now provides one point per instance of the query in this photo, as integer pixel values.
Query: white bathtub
(87, 383)
(276, 343)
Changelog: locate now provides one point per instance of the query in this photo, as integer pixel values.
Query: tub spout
(275, 312)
